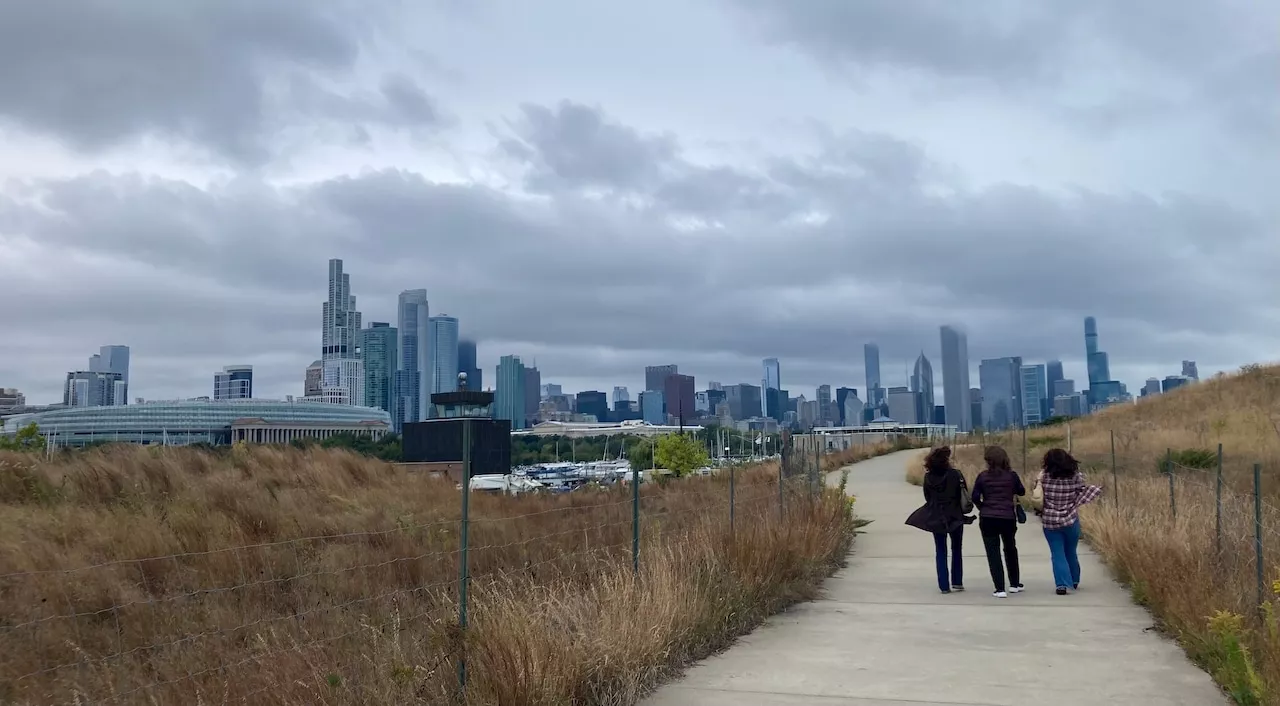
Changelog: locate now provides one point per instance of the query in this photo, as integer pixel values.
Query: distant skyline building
(90, 388)
(871, 362)
(772, 380)
(827, 413)
(1189, 370)
(620, 394)
(922, 385)
(955, 378)
(11, 398)
(467, 364)
(234, 382)
(1064, 387)
(1173, 382)
(843, 418)
(677, 392)
(378, 350)
(412, 388)
(509, 397)
(1001, 381)
(551, 389)
(111, 359)
(532, 393)
(314, 379)
(975, 406)
(1035, 394)
(1099, 367)
(655, 376)
(653, 407)
(442, 353)
(346, 374)
(340, 337)
(594, 403)
(903, 405)
(1152, 387)
(1053, 373)
(743, 400)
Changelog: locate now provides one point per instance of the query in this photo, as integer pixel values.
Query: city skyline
(824, 178)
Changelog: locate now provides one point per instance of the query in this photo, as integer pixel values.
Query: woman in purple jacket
(995, 495)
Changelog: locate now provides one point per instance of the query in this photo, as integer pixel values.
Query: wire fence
(218, 623)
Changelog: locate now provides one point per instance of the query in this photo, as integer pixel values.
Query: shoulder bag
(966, 499)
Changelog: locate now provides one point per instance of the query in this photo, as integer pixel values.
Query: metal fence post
(1217, 510)
(1115, 479)
(464, 570)
(732, 476)
(780, 488)
(635, 520)
(1068, 437)
(1024, 448)
(1173, 497)
(1257, 525)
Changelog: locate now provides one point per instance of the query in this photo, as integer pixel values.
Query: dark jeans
(994, 530)
(957, 561)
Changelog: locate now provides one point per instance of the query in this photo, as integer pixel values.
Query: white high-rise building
(340, 336)
(111, 359)
(442, 353)
(955, 378)
(235, 382)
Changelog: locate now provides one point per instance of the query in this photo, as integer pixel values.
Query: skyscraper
(314, 379)
(235, 382)
(442, 354)
(826, 410)
(88, 388)
(112, 359)
(533, 394)
(903, 405)
(842, 416)
(594, 403)
(955, 378)
(871, 361)
(1096, 360)
(508, 402)
(340, 336)
(467, 364)
(677, 391)
(1053, 373)
(1152, 387)
(922, 385)
(1189, 370)
(412, 389)
(652, 407)
(620, 394)
(1001, 382)
(1035, 394)
(378, 348)
(772, 380)
(655, 376)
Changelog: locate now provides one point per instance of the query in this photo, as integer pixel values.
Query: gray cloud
(892, 257)
(206, 72)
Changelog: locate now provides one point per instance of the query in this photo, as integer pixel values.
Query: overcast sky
(604, 185)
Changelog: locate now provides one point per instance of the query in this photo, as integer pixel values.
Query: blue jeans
(1062, 547)
(957, 561)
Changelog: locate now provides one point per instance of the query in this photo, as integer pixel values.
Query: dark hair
(997, 459)
(1060, 464)
(938, 460)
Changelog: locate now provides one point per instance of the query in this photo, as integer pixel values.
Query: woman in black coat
(943, 516)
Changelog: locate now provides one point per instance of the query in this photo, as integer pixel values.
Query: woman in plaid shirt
(1063, 490)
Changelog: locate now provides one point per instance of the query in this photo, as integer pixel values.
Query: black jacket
(941, 511)
(994, 493)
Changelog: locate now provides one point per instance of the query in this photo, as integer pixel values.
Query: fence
(225, 622)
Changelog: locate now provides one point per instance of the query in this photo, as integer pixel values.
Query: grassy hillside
(1199, 580)
(173, 576)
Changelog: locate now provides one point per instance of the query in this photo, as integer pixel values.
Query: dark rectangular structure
(440, 440)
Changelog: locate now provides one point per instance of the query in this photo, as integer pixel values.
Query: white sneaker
(1015, 589)
(1000, 594)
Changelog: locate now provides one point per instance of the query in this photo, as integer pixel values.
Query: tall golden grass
(1201, 583)
(171, 576)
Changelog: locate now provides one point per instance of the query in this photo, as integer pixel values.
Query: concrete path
(884, 635)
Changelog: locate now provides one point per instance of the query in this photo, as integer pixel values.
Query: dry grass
(171, 576)
(1202, 589)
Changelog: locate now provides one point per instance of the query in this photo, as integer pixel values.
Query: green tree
(680, 454)
(27, 439)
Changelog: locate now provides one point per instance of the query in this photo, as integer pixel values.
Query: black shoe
(957, 588)
(1075, 587)
(1062, 591)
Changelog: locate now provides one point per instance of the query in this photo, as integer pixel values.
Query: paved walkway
(885, 636)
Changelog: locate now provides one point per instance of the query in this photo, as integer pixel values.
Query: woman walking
(1062, 488)
(943, 514)
(995, 494)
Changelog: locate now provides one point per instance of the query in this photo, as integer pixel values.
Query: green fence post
(1173, 499)
(1217, 510)
(635, 520)
(1115, 480)
(464, 570)
(1257, 525)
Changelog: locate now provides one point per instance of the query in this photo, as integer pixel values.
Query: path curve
(884, 636)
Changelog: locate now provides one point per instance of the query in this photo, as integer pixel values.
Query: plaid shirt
(1063, 498)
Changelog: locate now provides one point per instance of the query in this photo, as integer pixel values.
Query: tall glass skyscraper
(955, 378)
(467, 364)
(1099, 366)
(871, 361)
(922, 385)
(378, 345)
(442, 353)
(111, 359)
(508, 401)
(412, 395)
(1053, 373)
(1035, 392)
(772, 380)
(340, 337)
(1001, 383)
